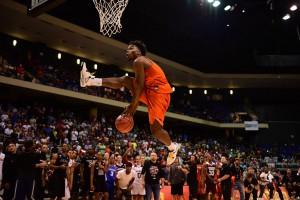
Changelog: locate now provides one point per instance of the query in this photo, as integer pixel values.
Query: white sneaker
(85, 75)
(172, 154)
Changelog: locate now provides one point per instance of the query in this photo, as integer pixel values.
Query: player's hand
(130, 110)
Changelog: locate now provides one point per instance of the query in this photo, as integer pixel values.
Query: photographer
(177, 178)
(251, 184)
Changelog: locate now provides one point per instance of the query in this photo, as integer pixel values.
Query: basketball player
(110, 175)
(149, 86)
(210, 176)
(138, 187)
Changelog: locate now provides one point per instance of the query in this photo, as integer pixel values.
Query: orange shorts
(157, 103)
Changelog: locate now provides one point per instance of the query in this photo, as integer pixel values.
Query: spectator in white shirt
(266, 179)
(125, 179)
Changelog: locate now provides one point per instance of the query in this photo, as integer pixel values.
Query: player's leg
(114, 82)
(159, 133)
(163, 136)
(157, 108)
(87, 79)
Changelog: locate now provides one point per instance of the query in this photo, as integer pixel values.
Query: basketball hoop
(110, 13)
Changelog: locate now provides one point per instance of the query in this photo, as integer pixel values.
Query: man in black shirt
(57, 177)
(192, 177)
(39, 190)
(225, 178)
(153, 175)
(277, 183)
(26, 171)
(85, 172)
(74, 173)
(289, 182)
(9, 171)
(237, 172)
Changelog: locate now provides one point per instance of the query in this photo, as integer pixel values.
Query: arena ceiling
(80, 41)
(252, 37)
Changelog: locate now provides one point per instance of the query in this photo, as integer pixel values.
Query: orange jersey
(156, 93)
(156, 79)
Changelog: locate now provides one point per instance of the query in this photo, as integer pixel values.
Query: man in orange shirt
(149, 86)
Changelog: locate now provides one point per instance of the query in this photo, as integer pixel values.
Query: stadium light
(15, 43)
(173, 88)
(95, 66)
(190, 91)
(286, 17)
(216, 3)
(78, 61)
(205, 92)
(59, 56)
(227, 7)
(231, 92)
(293, 8)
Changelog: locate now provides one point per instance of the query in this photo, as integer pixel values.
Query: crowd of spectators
(57, 150)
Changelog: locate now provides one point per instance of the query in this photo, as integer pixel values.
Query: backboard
(37, 7)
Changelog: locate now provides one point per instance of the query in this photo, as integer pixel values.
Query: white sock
(171, 147)
(95, 81)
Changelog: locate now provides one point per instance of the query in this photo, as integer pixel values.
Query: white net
(110, 13)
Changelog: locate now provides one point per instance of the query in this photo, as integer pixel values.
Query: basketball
(124, 123)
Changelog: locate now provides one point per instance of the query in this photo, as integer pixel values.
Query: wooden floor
(266, 196)
(166, 194)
